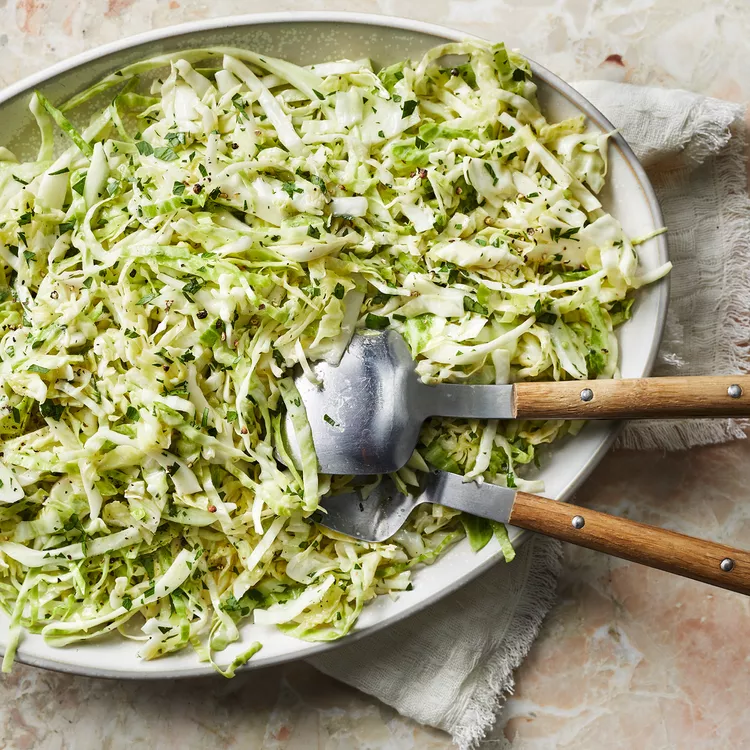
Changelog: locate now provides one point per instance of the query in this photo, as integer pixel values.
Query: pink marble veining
(646, 659)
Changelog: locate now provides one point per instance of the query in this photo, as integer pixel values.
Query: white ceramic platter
(315, 37)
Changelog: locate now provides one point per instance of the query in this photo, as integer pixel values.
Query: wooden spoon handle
(645, 398)
(686, 556)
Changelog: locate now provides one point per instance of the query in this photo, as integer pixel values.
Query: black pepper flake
(197, 188)
(202, 314)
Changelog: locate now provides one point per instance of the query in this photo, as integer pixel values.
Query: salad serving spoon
(376, 514)
(365, 413)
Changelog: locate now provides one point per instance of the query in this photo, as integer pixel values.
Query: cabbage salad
(196, 225)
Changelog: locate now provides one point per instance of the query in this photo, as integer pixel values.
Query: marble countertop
(629, 657)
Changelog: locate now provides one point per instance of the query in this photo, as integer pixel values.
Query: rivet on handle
(579, 522)
(587, 394)
(734, 391)
(727, 564)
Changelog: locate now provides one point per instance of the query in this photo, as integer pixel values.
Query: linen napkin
(451, 665)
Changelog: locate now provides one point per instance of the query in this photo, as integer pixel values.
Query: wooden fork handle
(686, 556)
(645, 398)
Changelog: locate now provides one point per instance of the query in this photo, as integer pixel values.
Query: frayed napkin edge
(497, 683)
(734, 350)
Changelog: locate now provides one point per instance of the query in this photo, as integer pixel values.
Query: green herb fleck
(471, 305)
(165, 153)
(51, 409)
(290, 189)
(176, 139)
(146, 299)
(409, 106)
(376, 322)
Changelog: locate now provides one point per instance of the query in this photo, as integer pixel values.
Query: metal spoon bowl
(366, 413)
(377, 515)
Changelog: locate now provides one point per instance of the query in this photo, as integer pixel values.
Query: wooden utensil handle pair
(701, 560)
(710, 396)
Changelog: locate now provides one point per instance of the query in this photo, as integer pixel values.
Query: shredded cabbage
(222, 218)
